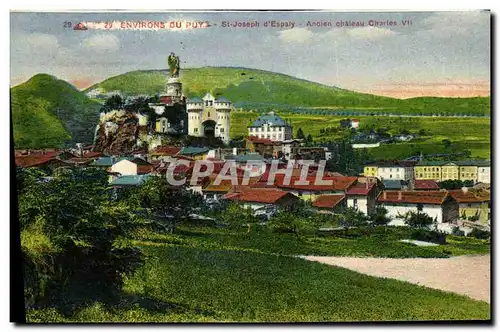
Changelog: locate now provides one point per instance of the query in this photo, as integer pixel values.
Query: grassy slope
(465, 133)
(206, 274)
(47, 112)
(262, 89)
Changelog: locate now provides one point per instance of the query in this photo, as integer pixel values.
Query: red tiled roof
(256, 139)
(469, 197)
(415, 197)
(426, 184)
(144, 169)
(327, 201)
(340, 183)
(32, 160)
(165, 150)
(92, 154)
(361, 189)
(267, 196)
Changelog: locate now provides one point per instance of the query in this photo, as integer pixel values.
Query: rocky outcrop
(118, 134)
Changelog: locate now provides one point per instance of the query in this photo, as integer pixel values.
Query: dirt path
(466, 275)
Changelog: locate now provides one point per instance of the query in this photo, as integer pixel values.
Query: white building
(399, 170)
(483, 174)
(271, 126)
(135, 166)
(439, 205)
(209, 117)
(362, 197)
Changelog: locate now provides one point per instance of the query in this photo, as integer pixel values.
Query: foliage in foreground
(74, 238)
(193, 284)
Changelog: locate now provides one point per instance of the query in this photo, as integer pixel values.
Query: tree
(73, 237)
(300, 134)
(451, 184)
(286, 221)
(353, 218)
(235, 215)
(164, 205)
(309, 138)
(418, 219)
(115, 102)
(379, 217)
(139, 105)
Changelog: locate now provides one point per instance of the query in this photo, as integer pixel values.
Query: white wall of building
(395, 210)
(196, 116)
(359, 202)
(274, 133)
(395, 173)
(483, 174)
(125, 167)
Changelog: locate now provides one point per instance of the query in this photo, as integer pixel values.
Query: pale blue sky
(440, 50)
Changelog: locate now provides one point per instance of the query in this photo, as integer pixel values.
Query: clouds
(304, 35)
(102, 43)
(38, 44)
(297, 35)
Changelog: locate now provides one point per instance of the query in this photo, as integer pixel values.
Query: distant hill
(244, 87)
(262, 90)
(48, 112)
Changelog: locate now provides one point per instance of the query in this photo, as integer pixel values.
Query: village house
(196, 153)
(463, 170)
(330, 204)
(264, 146)
(135, 166)
(310, 191)
(271, 126)
(439, 205)
(473, 205)
(262, 198)
(425, 185)
(391, 170)
(362, 197)
(164, 153)
(483, 173)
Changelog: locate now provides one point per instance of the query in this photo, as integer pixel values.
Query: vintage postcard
(251, 166)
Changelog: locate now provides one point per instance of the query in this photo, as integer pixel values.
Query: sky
(438, 54)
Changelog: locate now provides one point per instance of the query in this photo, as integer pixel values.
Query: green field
(205, 274)
(465, 133)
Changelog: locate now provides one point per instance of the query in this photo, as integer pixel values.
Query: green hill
(259, 89)
(48, 112)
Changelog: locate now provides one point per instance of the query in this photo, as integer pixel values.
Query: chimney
(465, 190)
(384, 194)
(235, 151)
(400, 195)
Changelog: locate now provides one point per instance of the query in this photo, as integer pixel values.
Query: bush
(418, 219)
(457, 232)
(429, 236)
(480, 234)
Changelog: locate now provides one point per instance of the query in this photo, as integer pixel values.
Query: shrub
(418, 219)
(457, 231)
(480, 234)
(429, 236)
(380, 216)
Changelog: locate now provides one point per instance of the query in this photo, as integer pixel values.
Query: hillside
(258, 89)
(48, 112)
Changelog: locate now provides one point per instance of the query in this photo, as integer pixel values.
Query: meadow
(471, 134)
(209, 274)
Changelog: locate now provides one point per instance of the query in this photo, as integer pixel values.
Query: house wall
(483, 174)
(359, 202)
(124, 167)
(428, 173)
(468, 173)
(449, 172)
(396, 209)
(223, 124)
(370, 171)
(194, 120)
(274, 133)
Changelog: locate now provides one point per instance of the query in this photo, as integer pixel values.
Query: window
(195, 130)
(211, 103)
(222, 130)
(355, 203)
(420, 207)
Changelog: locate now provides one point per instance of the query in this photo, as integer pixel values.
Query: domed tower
(223, 107)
